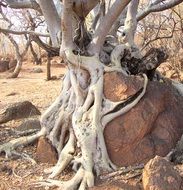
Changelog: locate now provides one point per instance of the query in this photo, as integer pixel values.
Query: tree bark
(106, 25)
(37, 60)
(157, 8)
(52, 19)
(24, 4)
(48, 67)
(75, 122)
(19, 56)
(131, 23)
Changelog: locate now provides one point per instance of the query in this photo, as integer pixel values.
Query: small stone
(54, 78)
(36, 70)
(45, 152)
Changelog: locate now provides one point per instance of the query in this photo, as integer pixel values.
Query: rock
(45, 152)
(61, 76)
(151, 128)
(17, 111)
(30, 124)
(4, 66)
(54, 77)
(159, 174)
(37, 70)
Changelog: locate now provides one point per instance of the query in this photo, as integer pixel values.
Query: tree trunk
(48, 67)
(19, 56)
(37, 60)
(17, 69)
(80, 115)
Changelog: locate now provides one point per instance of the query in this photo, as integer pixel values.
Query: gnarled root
(82, 179)
(89, 116)
(9, 147)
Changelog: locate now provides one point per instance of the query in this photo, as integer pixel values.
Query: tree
(77, 118)
(29, 24)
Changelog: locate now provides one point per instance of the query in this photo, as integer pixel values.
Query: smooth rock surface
(151, 128)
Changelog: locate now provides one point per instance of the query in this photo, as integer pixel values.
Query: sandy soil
(18, 174)
(31, 86)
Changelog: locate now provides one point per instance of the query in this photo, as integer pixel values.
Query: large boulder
(151, 128)
(159, 174)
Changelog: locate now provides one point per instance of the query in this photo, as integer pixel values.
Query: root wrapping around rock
(78, 116)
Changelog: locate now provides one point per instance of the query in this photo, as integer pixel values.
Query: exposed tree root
(9, 147)
(87, 112)
(82, 179)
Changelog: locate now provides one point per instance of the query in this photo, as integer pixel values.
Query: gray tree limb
(67, 37)
(158, 6)
(106, 24)
(52, 20)
(23, 4)
(23, 32)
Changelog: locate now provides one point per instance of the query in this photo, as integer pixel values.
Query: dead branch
(122, 171)
(23, 32)
(157, 37)
(23, 4)
(157, 6)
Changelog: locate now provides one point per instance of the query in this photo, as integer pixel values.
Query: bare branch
(53, 51)
(131, 22)
(66, 25)
(26, 47)
(23, 4)
(23, 32)
(106, 25)
(5, 18)
(158, 6)
(52, 20)
(157, 37)
(100, 14)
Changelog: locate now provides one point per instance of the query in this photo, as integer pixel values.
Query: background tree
(77, 118)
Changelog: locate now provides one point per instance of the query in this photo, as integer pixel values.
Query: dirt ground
(19, 174)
